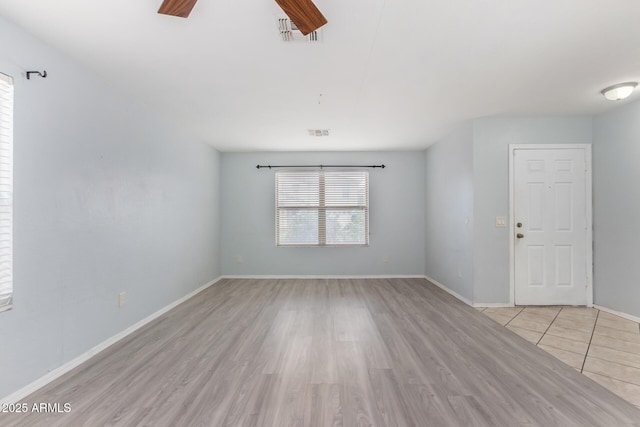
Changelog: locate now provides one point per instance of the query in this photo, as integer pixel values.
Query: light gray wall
(492, 137)
(449, 211)
(616, 209)
(396, 217)
(108, 198)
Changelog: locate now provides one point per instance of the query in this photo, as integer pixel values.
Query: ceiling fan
(303, 13)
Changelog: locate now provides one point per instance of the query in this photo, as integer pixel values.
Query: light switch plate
(501, 221)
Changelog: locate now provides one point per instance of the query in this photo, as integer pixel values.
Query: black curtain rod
(321, 166)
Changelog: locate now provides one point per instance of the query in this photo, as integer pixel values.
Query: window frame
(322, 209)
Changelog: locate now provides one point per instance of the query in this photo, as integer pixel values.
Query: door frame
(589, 213)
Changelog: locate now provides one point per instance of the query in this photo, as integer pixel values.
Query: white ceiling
(394, 75)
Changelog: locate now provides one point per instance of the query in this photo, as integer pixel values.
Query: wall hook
(42, 74)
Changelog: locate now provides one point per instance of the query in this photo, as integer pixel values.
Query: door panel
(550, 204)
(536, 265)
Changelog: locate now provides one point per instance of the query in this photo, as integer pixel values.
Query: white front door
(550, 226)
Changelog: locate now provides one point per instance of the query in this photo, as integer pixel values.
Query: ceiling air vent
(290, 33)
(318, 132)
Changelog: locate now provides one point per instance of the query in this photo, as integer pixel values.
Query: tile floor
(602, 346)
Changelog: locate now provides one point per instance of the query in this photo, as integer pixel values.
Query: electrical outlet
(239, 259)
(460, 273)
(122, 299)
(385, 258)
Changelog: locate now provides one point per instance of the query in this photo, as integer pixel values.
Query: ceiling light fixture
(619, 91)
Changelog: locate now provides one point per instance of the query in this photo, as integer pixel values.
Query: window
(322, 208)
(6, 191)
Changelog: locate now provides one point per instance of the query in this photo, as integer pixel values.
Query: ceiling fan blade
(181, 8)
(304, 14)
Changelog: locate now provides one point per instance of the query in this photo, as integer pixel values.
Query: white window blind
(322, 208)
(6, 191)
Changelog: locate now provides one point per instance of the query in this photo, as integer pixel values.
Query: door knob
(519, 235)
(519, 225)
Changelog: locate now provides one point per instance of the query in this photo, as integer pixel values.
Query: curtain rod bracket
(42, 74)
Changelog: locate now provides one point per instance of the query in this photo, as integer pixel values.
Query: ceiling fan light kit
(290, 33)
(619, 91)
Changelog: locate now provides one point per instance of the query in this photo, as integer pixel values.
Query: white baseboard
(618, 313)
(61, 370)
(492, 304)
(449, 291)
(298, 276)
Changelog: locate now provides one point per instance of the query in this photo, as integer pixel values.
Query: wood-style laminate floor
(384, 352)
